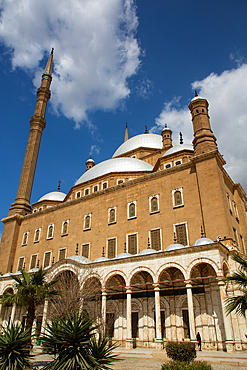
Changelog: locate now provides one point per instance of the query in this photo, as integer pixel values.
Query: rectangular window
(62, 254)
(229, 202)
(21, 263)
(132, 243)
(86, 191)
(154, 203)
(87, 222)
(181, 234)
(25, 238)
(105, 185)
(37, 235)
(47, 259)
(155, 239)
(95, 188)
(78, 194)
(33, 262)
(50, 231)
(132, 209)
(120, 181)
(112, 215)
(177, 197)
(111, 248)
(168, 165)
(85, 250)
(65, 227)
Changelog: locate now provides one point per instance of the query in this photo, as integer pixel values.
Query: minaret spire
(126, 136)
(37, 125)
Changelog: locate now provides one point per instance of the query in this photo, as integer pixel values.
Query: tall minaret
(37, 124)
(204, 139)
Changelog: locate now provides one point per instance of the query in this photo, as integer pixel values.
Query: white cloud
(94, 149)
(227, 97)
(95, 49)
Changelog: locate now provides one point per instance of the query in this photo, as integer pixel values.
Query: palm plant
(72, 337)
(13, 348)
(238, 278)
(30, 291)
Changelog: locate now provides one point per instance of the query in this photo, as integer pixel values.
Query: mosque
(153, 228)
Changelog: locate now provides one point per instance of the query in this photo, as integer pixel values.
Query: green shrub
(181, 351)
(195, 365)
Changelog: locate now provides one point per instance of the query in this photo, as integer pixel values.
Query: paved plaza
(151, 359)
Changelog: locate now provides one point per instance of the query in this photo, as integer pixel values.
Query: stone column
(226, 318)
(13, 314)
(103, 311)
(191, 312)
(45, 310)
(159, 341)
(129, 342)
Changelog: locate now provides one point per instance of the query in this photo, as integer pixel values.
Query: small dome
(90, 160)
(54, 195)
(197, 97)
(101, 259)
(114, 165)
(33, 270)
(178, 148)
(7, 274)
(173, 247)
(80, 259)
(147, 251)
(123, 255)
(152, 141)
(166, 129)
(203, 241)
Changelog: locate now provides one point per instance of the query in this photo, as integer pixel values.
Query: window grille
(132, 243)
(85, 250)
(37, 234)
(87, 222)
(132, 210)
(112, 248)
(47, 259)
(21, 263)
(155, 239)
(50, 231)
(177, 198)
(65, 228)
(62, 253)
(24, 240)
(181, 234)
(154, 204)
(112, 215)
(33, 261)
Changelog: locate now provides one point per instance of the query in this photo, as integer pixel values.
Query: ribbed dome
(178, 148)
(80, 259)
(147, 251)
(203, 241)
(173, 247)
(54, 195)
(153, 141)
(114, 165)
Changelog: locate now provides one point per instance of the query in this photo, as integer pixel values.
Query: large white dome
(54, 195)
(178, 148)
(152, 141)
(115, 165)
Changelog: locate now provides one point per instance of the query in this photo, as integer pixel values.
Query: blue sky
(117, 61)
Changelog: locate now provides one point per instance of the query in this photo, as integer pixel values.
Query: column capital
(189, 285)
(128, 289)
(221, 282)
(104, 293)
(156, 287)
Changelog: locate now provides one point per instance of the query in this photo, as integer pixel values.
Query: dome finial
(165, 125)
(125, 249)
(53, 261)
(103, 252)
(52, 49)
(175, 238)
(202, 233)
(146, 130)
(59, 185)
(38, 264)
(181, 138)
(148, 243)
(76, 250)
(196, 93)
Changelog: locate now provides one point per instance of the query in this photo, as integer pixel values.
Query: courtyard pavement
(152, 359)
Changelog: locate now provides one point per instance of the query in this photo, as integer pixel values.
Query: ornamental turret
(204, 139)
(166, 134)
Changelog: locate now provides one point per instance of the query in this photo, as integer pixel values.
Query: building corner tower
(22, 206)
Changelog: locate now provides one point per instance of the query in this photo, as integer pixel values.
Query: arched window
(50, 231)
(132, 210)
(37, 234)
(24, 240)
(65, 228)
(112, 217)
(87, 222)
(177, 198)
(154, 204)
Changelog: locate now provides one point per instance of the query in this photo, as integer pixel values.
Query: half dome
(123, 255)
(115, 165)
(203, 241)
(57, 196)
(101, 259)
(152, 141)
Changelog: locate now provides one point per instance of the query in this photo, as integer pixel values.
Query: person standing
(199, 341)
